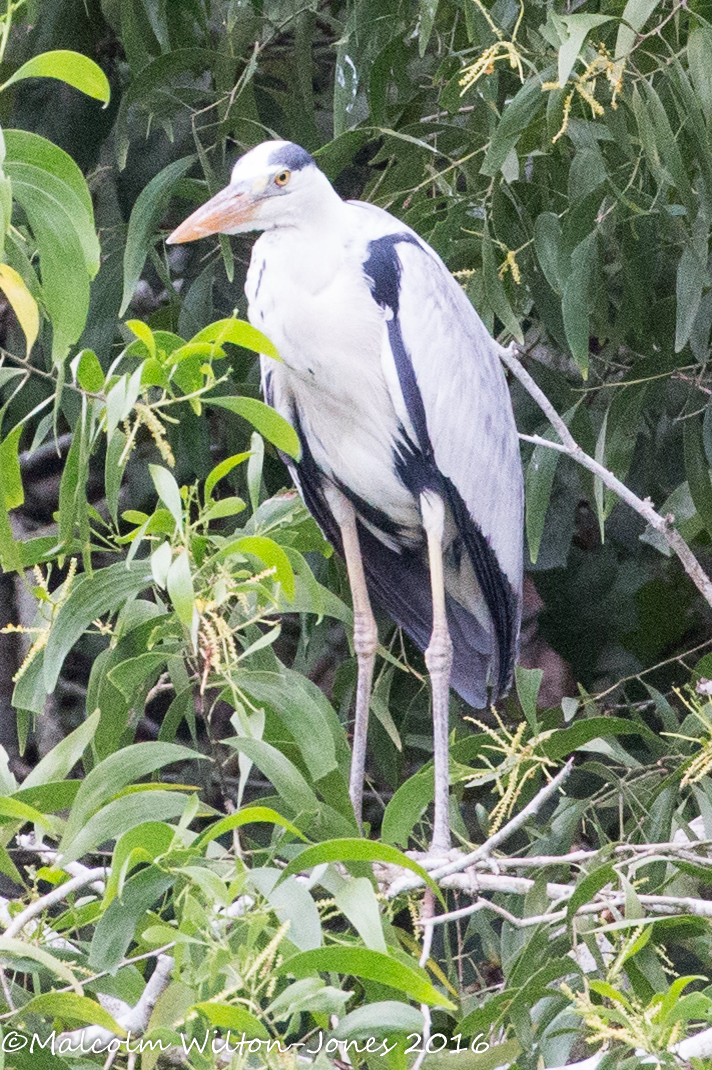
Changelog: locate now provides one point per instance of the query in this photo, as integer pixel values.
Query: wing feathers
(454, 391)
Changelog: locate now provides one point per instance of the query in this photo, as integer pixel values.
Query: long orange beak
(226, 213)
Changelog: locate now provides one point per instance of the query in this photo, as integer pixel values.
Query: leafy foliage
(560, 162)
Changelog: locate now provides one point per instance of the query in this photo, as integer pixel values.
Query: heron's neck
(314, 242)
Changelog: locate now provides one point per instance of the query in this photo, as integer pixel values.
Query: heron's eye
(282, 178)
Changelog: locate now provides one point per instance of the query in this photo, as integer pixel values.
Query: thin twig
(643, 507)
(55, 896)
(426, 919)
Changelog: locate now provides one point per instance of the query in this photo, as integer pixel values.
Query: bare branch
(642, 506)
(405, 883)
(55, 896)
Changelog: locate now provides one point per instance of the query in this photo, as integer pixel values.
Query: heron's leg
(438, 658)
(365, 642)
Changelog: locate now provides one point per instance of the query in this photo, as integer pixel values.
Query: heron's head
(276, 184)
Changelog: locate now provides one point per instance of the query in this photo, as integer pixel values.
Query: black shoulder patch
(292, 157)
(383, 269)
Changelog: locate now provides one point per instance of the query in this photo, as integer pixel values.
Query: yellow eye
(282, 178)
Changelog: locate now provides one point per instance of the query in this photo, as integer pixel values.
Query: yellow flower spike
(146, 416)
(587, 94)
(565, 122)
(485, 63)
(510, 264)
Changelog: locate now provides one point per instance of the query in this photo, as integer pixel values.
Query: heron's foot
(435, 857)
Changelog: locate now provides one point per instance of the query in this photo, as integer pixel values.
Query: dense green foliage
(185, 603)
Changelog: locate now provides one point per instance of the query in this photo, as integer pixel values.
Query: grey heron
(409, 451)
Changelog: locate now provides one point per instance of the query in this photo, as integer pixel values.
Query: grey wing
(444, 372)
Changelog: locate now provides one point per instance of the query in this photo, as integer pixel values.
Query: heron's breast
(332, 376)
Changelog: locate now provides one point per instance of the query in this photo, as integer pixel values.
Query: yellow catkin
(565, 121)
(510, 264)
(587, 94)
(147, 416)
(269, 952)
(485, 63)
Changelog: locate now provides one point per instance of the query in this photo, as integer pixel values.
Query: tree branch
(438, 871)
(642, 506)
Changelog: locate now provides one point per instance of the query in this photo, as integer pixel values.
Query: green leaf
(547, 244)
(19, 811)
(272, 555)
(357, 901)
(109, 777)
(10, 555)
(268, 422)
(8, 867)
(117, 817)
(240, 333)
(20, 949)
(372, 966)
(10, 464)
(303, 717)
(517, 115)
(378, 1019)
(67, 1005)
(588, 886)
(25, 147)
(291, 903)
(577, 28)
(90, 374)
(407, 806)
(598, 489)
(283, 774)
(116, 928)
(146, 214)
(31, 183)
(577, 300)
(51, 797)
(244, 817)
(528, 682)
(68, 248)
(309, 994)
(697, 470)
(160, 563)
(144, 333)
(179, 584)
(691, 279)
(357, 851)
(168, 491)
(140, 844)
(91, 596)
(58, 764)
(635, 14)
(70, 67)
(699, 56)
(221, 470)
(226, 507)
(113, 472)
(567, 740)
(232, 1016)
(129, 675)
(538, 484)
(428, 11)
